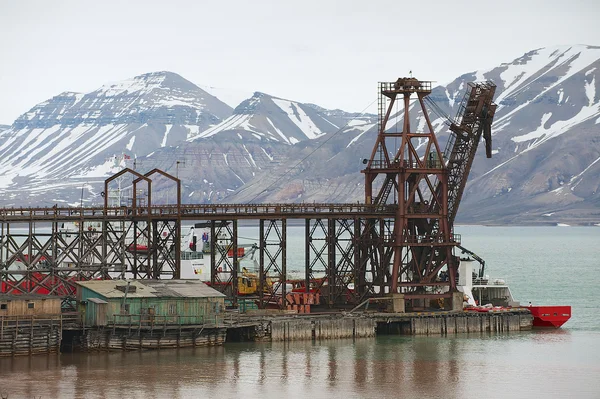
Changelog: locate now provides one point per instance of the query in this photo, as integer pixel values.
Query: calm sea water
(544, 265)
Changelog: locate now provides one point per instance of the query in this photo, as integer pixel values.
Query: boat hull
(550, 316)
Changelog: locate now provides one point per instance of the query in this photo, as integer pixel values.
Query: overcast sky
(331, 53)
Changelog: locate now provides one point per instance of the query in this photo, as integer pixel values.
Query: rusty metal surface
(196, 212)
(408, 164)
(52, 263)
(397, 241)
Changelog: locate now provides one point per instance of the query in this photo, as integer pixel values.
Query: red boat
(550, 316)
(484, 294)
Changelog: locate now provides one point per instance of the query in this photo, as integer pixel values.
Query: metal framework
(473, 120)
(39, 254)
(399, 240)
(413, 176)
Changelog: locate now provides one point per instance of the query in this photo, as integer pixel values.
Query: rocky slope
(545, 168)
(73, 138)
(546, 162)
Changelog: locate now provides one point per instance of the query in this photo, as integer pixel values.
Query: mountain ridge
(546, 151)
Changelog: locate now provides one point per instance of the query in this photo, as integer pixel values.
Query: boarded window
(30, 305)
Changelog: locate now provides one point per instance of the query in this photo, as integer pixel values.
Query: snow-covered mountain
(74, 137)
(152, 120)
(545, 167)
(264, 134)
(268, 118)
(546, 136)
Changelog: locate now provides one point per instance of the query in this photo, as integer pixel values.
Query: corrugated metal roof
(152, 288)
(97, 300)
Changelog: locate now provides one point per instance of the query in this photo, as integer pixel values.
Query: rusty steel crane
(408, 169)
(474, 119)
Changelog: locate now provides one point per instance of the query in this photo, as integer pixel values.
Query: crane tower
(408, 169)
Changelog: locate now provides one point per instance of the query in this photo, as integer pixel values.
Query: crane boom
(474, 119)
(476, 257)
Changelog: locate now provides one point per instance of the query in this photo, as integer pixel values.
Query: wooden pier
(446, 323)
(43, 334)
(32, 335)
(319, 327)
(151, 337)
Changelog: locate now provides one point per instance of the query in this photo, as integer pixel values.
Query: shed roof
(152, 288)
(97, 300)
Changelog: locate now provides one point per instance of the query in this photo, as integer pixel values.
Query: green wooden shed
(144, 302)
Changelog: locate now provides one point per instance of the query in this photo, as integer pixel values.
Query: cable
(438, 111)
(306, 157)
(256, 239)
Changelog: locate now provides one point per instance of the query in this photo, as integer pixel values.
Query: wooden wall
(182, 310)
(320, 329)
(21, 307)
(30, 335)
(101, 339)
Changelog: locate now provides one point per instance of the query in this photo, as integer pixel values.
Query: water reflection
(385, 367)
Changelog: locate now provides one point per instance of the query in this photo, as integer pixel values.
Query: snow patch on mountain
(139, 85)
(357, 122)
(361, 129)
(590, 91)
(278, 131)
(267, 154)
(537, 133)
(167, 130)
(250, 155)
(231, 123)
(109, 167)
(246, 125)
(129, 145)
(299, 118)
(559, 127)
(542, 62)
(579, 175)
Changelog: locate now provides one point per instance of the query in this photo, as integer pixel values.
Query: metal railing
(396, 164)
(50, 214)
(425, 239)
(21, 321)
(146, 320)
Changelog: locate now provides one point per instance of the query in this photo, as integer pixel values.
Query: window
(3, 306)
(125, 309)
(172, 309)
(30, 305)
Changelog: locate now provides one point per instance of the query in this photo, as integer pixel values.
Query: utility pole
(177, 163)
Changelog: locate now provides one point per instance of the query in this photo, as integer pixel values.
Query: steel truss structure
(399, 240)
(414, 176)
(39, 254)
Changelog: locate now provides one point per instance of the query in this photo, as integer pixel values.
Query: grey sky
(331, 53)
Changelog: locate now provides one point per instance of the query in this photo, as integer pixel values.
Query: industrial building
(170, 302)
